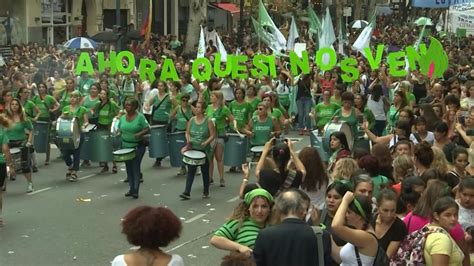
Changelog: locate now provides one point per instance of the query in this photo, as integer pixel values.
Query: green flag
(267, 24)
(314, 22)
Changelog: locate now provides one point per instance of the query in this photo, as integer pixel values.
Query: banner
(461, 17)
(438, 3)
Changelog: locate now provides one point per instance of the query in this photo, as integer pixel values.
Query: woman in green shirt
(360, 104)
(275, 111)
(348, 113)
(106, 109)
(324, 111)
(220, 115)
(31, 110)
(47, 106)
(65, 97)
(160, 114)
(20, 135)
(182, 113)
(240, 109)
(4, 159)
(200, 132)
(252, 97)
(133, 126)
(74, 110)
(90, 101)
(249, 217)
(399, 102)
(262, 127)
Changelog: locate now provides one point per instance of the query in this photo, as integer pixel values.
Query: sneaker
(182, 171)
(198, 171)
(222, 182)
(35, 169)
(12, 178)
(30, 188)
(205, 196)
(185, 196)
(157, 164)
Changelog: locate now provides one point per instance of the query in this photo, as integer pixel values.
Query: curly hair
(150, 227)
(344, 168)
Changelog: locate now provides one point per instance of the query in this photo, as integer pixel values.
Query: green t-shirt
(84, 85)
(65, 99)
(244, 234)
(351, 120)
(254, 103)
(369, 116)
(393, 115)
(107, 112)
(90, 104)
(3, 140)
(128, 129)
(198, 134)
(410, 98)
(333, 100)
(182, 118)
(29, 108)
(162, 113)
(262, 131)
(241, 113)
(276, 113)
(325, 112)
(44, 105)
(18, 131)
(78, 113)
(220, 116)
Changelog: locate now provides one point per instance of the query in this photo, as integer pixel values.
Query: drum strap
(288, 181)
(184, 114)
(159, 104)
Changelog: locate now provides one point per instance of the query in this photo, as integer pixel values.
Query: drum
(124, 155)
(68, 134)
(235, 150)
(176, 142)
(158, 147)
(256, 151)
(88, 146)
(194, 157)
(316, 141)
(103, 146)
(333, 127)
(16, 158)
(41, 136)
(362, 144)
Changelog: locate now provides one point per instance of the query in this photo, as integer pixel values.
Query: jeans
(379, 127)
(133, 169)
(75, 160)
(205, 177)
(304, 107)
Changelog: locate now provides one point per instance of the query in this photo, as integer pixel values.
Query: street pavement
(58, 225)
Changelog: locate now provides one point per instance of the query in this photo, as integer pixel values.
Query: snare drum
(257, 151)
(235, 150)
(16, 157)
(124, 155)
(334, 127)
(68, 133)
(194, 157)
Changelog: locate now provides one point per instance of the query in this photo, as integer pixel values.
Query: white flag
(202, 45)
(363, 41)
(267, 23)
(328, 37)
(221, 48)
(293, 35)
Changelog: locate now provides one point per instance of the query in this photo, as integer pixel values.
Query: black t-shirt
(272, 180)
(396, 232)
(304, 89)
(326, 219)
(419, 90)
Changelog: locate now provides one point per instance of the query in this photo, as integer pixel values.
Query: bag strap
(159, 104)
(288, 180)
(318, 231)
(417, 137)
(356, 250)
(324, 214)
(184, 114)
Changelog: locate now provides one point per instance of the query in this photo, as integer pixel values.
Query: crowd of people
(403, 168)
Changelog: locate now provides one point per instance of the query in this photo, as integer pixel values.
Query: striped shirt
(245, 235)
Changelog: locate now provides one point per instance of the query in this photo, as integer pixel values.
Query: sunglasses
(261, 109)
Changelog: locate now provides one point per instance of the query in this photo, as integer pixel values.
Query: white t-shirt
(466, 217)
(348, 256)
(176, 260)
(429, 138)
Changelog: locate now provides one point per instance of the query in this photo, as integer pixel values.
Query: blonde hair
(219, 96)
(403, 166)
(439, 161)
(344, 168)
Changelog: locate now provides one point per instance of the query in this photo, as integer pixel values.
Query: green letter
(217, 66)
(84, 64)
(323, 62)
(297, 63)
(131, 62)
(374, 63)
(395, 64)
(413, 56)
(107, 63)
(168, 71)
(206, 75)
(239, 71)
(349, 65)
(259, 65)
(147, 68)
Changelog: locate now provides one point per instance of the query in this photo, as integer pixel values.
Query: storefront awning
(229, 7)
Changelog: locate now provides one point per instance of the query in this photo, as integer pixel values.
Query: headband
(257, 192)
(359, 208)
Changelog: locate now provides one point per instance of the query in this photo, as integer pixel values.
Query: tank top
(182, 118)
(377, 108)
(198, 134)
(262, 131)
(89, 104)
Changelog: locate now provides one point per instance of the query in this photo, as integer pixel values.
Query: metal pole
(118, 24)
(241, 22)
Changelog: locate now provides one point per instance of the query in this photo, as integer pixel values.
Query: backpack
(318, 231)
(410, 251)
(381, 258)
